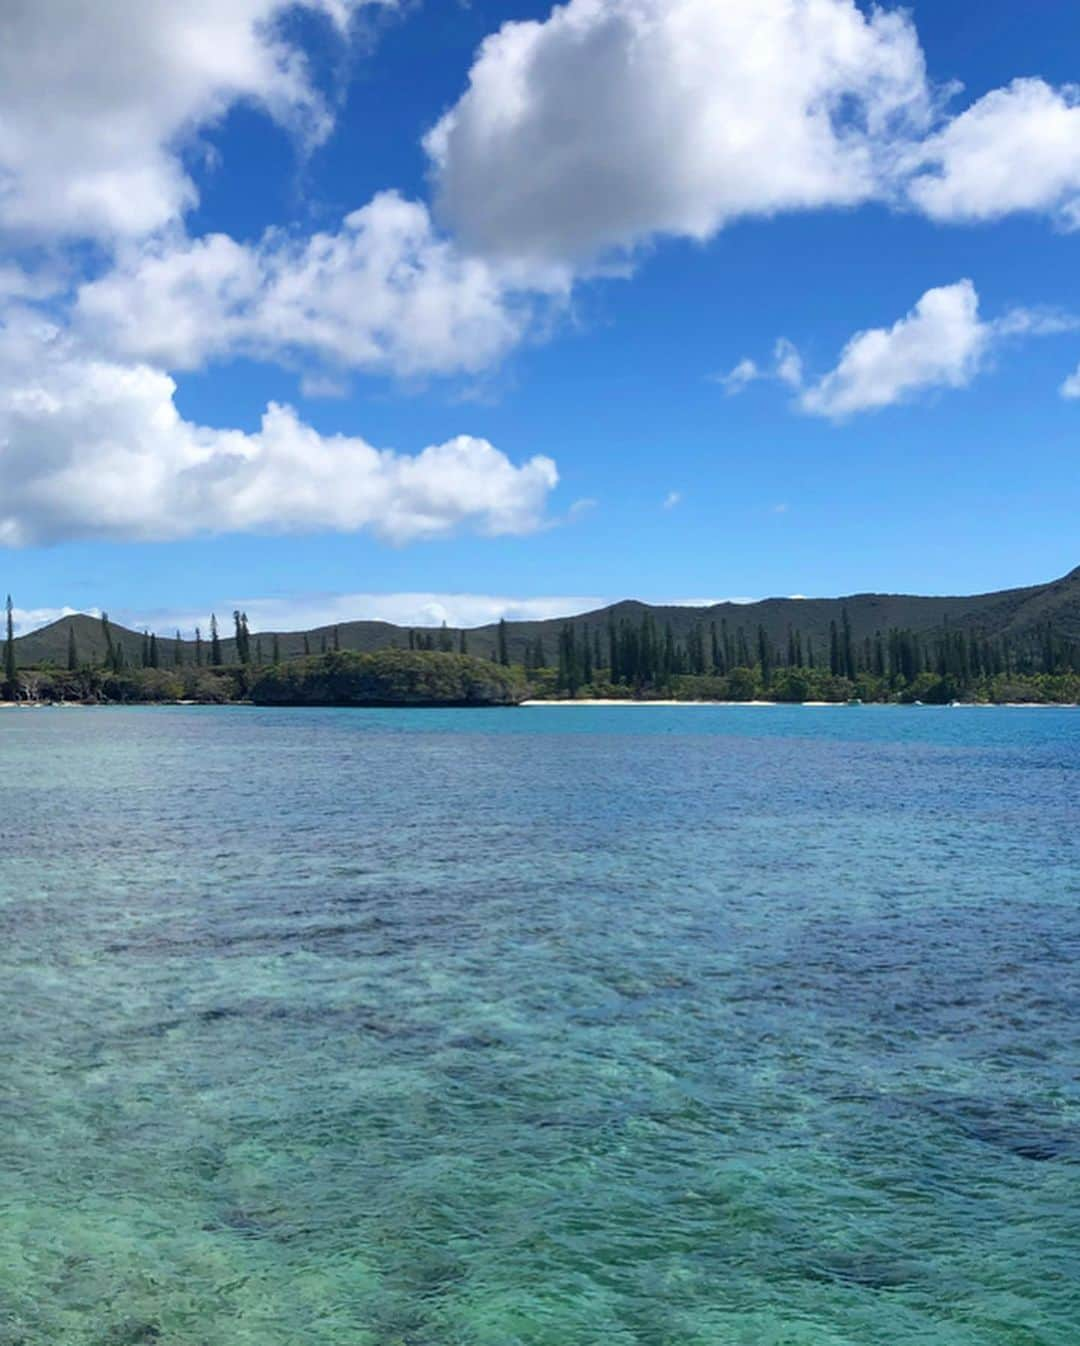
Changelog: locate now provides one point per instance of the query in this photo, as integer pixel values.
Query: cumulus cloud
(614, 121)
(98, 101)
(385, 293)
(1015, 149)
(939, 344)
(93, 448)
(1071, 387)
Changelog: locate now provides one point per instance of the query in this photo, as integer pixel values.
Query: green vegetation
(1017, 645)
(897, 665)
(389, 677)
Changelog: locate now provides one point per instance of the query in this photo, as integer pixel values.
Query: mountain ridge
(1012, 612)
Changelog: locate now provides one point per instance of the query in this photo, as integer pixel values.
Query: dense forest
(625, 657)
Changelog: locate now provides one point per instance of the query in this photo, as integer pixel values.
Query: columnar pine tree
(11, 672)
(463, 642)
(110, 653)
(73, 652)
(178, 651)
(215, 641)
(154, 656)
(307, 644)
(276, 649)
(198, 648)
(503, 647)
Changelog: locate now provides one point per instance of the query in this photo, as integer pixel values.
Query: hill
(1011, 612)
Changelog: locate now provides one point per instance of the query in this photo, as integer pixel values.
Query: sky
(425, 310)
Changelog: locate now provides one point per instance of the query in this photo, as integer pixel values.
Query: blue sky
(539, 309)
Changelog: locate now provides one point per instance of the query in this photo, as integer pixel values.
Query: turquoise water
(642, 1027)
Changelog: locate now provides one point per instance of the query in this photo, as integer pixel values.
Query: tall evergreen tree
(243, 638)
(463, 642)
(110, 653)
(276, 655)
(307, 643)
(178, 651)
(11, 672)
(337, 639)
(850, 669)
(215, 641)
(154, 656)
(73, 651)
(766, 657)
(198, 648)
(503, 647)
(145, 660)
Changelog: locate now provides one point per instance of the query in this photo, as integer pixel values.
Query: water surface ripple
(642, 1027)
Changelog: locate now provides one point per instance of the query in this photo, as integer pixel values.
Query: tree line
(643, 656)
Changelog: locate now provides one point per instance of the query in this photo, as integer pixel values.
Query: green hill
(1010, 612)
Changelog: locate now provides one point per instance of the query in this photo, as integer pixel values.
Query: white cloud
(1016, 149)
(738, 378)
(302, 611)
(614, 121)
(95, 448)
(385, 293)
(25, 620)
(939, 344)
(99, 100)
(408, 609)
(1071, 387)
(788, 363)
(672, 499)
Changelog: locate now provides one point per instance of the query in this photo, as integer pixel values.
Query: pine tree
(503, 648)
(11, 672)
(766, 657)
(337, 640)
(586, 658)
(322, 643)
(145, 649)
(73, 653)
(215, 642)
(178, 652)
(446, 641)
(110, 653)
(155, 658)
(258, 651)
(198, 648)
(307, 644)
(835, 667)
(243, 641)
(276, 649)
(850, 669)
(463, 642)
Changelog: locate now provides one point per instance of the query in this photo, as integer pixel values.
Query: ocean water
(541, 1027)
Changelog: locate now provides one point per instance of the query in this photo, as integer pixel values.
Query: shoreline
(585, 702)
(811, 705)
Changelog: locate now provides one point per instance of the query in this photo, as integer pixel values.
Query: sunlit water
(632, 1026)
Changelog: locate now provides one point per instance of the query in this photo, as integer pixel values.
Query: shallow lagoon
(554, 1026)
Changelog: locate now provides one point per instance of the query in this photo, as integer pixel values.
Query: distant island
(1016, 645)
